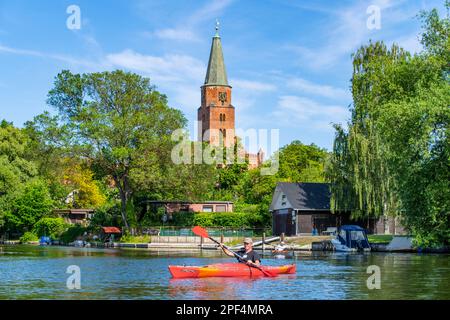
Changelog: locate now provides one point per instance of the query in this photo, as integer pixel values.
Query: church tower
(216, 113)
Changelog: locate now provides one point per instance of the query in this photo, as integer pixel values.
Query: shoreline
(312, 247)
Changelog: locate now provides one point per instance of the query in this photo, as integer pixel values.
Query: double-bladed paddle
(201, 232)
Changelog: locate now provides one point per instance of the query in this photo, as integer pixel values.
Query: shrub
(127, 238)
(106, 215)
(28, 237)
(217, 219)
(182, 219)
(51, 227)
(225, 219)
(72, 233)
(31, 204)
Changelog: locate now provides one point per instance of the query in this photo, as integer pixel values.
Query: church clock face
(222, 97)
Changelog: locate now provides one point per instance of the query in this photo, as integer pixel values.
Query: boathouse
(110, 233)
(302, 208)
(75, 216)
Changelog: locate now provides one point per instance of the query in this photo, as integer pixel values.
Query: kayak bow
(227, 270)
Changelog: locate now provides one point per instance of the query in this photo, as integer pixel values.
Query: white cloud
(176, 34)
(186, 30)
(294, 111)
(167, 68)
(209, 11)
(307, 87)
(179, 76)
(63, 58)
(347, 30)
(252, 85)
(410, 43)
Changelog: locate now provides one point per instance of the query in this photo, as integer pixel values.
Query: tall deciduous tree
(302, 163)
(358, 169)
(32, 203)
(86, 192)
(119, 122)
(394, 158)
(15, 170)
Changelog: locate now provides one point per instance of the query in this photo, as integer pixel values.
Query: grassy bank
(136, 239)
(380, 238)
(304, 240)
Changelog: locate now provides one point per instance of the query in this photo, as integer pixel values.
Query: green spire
(216, 74)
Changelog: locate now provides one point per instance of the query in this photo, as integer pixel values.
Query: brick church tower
(216, 113)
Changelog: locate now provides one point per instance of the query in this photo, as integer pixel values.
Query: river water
(33, 272)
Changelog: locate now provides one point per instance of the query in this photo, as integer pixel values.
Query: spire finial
(217, 27)
(216, 74)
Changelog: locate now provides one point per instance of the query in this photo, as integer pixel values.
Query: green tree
(394, 157)
(50, 227)
(120, 123)
(176, 181)
(302, 163)
(31, 204)
(419, 150)
(87, 193)
(49, 148)
(15, 170)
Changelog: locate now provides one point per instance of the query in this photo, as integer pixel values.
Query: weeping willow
(359, 173)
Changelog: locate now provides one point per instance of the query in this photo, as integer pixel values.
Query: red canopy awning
(111, 230)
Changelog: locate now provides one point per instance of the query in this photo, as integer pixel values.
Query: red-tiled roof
(111, 230)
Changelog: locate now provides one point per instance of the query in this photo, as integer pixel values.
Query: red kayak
(227, 270)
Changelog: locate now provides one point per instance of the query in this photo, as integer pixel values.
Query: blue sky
(289, 62)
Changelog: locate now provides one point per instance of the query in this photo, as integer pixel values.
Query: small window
(283, 197)
(222, 117)
(221, 208)
(283, 203)
(208, 209)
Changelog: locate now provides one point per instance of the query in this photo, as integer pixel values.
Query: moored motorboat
(45, 241)
(351, 238)
(227, 270)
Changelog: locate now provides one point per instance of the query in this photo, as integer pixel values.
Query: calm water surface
(32, 272)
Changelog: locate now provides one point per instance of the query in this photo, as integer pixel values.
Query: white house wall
(278, 201)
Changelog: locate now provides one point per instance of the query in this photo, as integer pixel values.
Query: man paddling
(249, 256)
